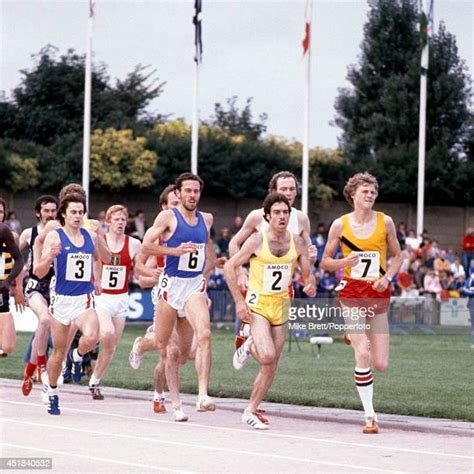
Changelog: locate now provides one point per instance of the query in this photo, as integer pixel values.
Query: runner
(189, 259)
(273, 255)
(72, 248)
(112, 301)
(364, 236)
(37, 292)
(11, 264)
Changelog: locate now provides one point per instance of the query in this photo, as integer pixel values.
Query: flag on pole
(307, 27)
(197, 30)
(426, 19)
(91, 8)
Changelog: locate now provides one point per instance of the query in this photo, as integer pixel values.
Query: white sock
(159, 395)
(75, 355)
(53, 391)
(93, 381)
(365, 386)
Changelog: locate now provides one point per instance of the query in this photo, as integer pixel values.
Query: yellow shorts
(273, 308)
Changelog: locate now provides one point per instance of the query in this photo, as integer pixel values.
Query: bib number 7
(368, 266)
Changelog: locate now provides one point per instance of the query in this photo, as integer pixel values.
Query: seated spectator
(450, 255)
(327, 285)
(456, 268)
(104, 227)
(402, 233)
(406, 284)
(441, 264)
(223, 242)
(431, 284)
(238, 222)
(412, 240)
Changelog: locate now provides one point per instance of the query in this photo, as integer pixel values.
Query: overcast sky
(251, 49)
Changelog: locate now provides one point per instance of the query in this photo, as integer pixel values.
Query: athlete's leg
(164, 324)
(7, 333)
(39, 306)
(185, 338)
(88, 323)
(379, 337)
(197, 312)
(59, 334)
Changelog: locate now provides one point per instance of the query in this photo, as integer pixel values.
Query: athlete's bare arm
(101, 249)
(25, 238)
(305, 266)
(394, 248)
(165, 222)
(147, 271)
(51, 249)
(39, 241)
(251, 246)
(304, 225)
(211, 256)
(328, 262)
(249, 227)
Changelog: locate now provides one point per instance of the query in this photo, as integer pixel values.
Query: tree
(118, 160)
(236, 122)
(379, 114)
(49, 102)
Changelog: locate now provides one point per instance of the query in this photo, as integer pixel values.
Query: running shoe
(27, 385)
(159, 406)
(39, 372)
(95, 392)
(76, 368)
(253, 420)
(205, 403)
(53, 405)
(178, 414)
(371, 426)
(45, 389)
(134, 359)
(242, 354)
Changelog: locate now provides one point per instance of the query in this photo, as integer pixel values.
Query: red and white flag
(307, 27)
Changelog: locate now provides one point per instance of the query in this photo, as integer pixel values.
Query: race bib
(368, 266)
(252, 298)
(32, 284)
(193, 262)
(79, 267)
(113, 277)
(276, 277)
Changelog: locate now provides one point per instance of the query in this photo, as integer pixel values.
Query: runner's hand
(242, 311)
(19, 298)
(381, 284)
(242, 281)
(310, 289)
(312, 251)
(352, 259)
(185, 247)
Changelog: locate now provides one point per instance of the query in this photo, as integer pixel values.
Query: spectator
(450, 255)
(469, 292)
(468, 249)
(431, 253)
(238, 221)
(217, 280)
(13, 222)
(441, 264)
(412, 240)
(327, 285)
(319, 240)
(402, 233)
(406, 284)
(223, 242)
(103, 226)
(137, 227)
(457, 269)
(432, 284)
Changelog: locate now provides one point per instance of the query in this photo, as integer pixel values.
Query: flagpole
(195, 125)
(87, 104)
(306, 107)
(422, 120)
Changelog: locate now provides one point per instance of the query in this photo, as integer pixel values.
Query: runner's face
(287, 187)
(74, 215)
(48, 212)
(365, 196)
(189, 194)
(117, 223)
(173, 200)
(279, 216)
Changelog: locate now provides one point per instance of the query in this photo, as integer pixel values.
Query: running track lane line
(199, 446)
(267, 433)
(95, 458)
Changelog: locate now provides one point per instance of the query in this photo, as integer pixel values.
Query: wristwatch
(389, 278)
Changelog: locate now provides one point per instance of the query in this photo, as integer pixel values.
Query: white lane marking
(267, 433)
(198, 446)
(94, 458)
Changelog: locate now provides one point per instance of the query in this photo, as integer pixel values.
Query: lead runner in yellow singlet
(273, 255)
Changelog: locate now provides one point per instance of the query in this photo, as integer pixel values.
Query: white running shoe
(242, 354)
(134, 359)
(205, 403)
(254, 421)
(178, 414)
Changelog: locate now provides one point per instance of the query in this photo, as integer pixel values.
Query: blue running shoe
(53, 405)
(76, 368)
